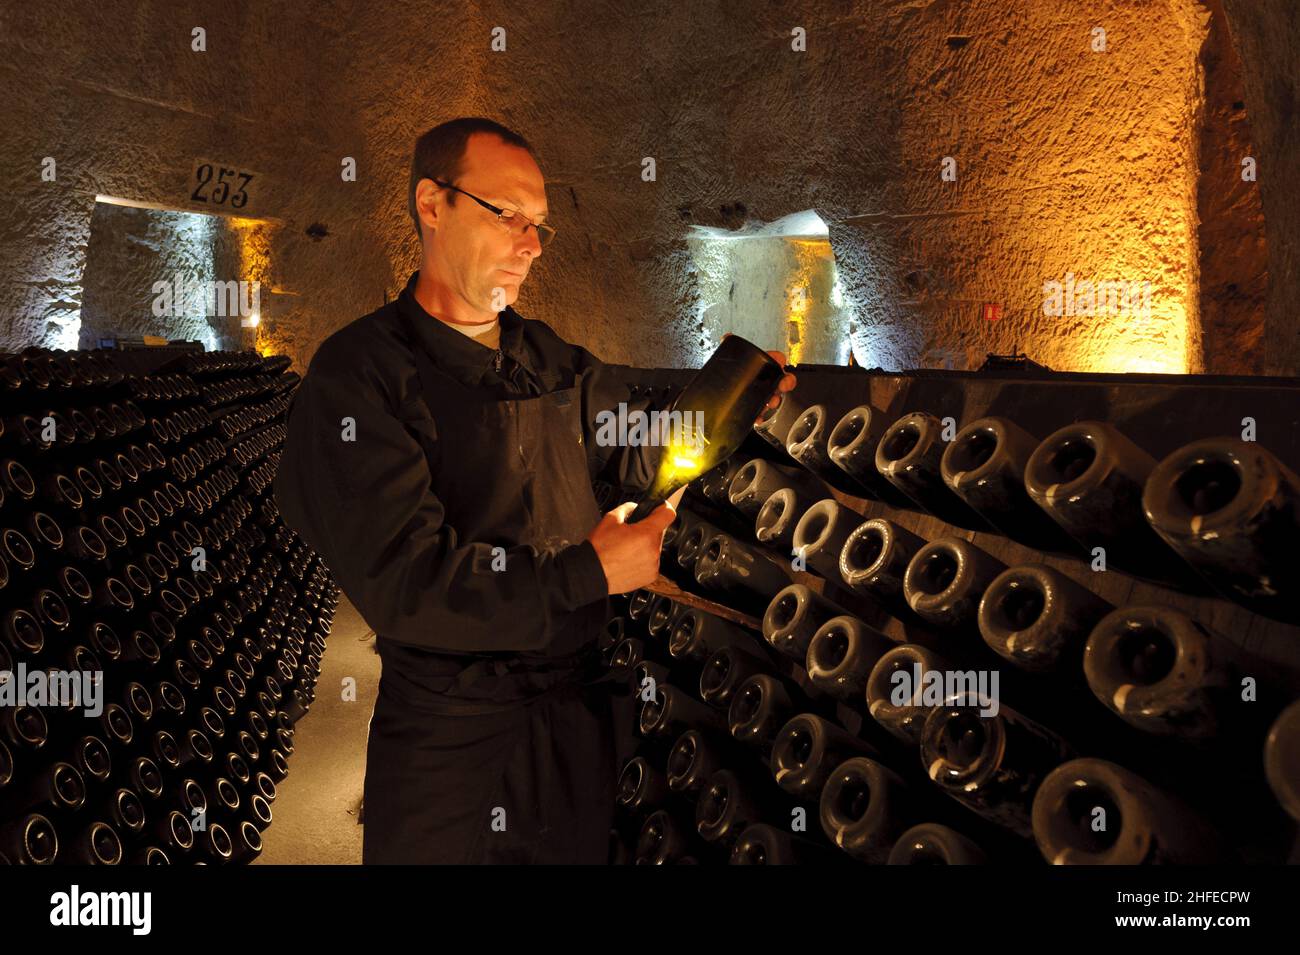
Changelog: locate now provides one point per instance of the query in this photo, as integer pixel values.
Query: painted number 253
(221, 192)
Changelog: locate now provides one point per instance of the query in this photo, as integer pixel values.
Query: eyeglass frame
(501, 218)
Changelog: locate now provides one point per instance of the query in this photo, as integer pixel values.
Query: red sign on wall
(992, 312)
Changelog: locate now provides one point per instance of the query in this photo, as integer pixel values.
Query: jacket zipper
(497, 360)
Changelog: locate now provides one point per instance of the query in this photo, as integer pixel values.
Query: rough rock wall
(1233, 249)
(1070, 162)
(1266, 35)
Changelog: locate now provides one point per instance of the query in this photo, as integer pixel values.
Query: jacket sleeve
(631, 467)
(365, 505)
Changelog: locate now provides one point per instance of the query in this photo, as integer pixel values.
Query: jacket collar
(451, 351)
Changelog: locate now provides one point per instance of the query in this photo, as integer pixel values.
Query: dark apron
(495, 757)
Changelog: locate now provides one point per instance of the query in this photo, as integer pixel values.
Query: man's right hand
(629, 553)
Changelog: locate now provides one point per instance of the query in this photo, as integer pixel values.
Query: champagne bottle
(778, 517)
(946, 580)
(1089, 478)
(1159, 670)
(641, 787)
(984, 465)
(717, 409)
(715, 485)
(807, 749)
(758, 480)
(697, 635)
(806, 440)
(774, 424)
(842, 654)
(793, 616)
(671, 711)
(762, 844)
(30, 840)
(726, 670)
(96, 843)
(1038, 618)
(992, 763)
(875, 558)
(910, 456)
(852, 448)
(664, 840)
(1232, 511)
(821, 534)
(933, 844)
(663, 616)
(744, 574)
(1092, 812)
(1282, 759)
(760, 707)
(695, 757)
(728, 805)
(864, 808)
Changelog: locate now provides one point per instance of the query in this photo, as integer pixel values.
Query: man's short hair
(440, 153)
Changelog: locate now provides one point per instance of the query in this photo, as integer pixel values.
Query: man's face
(475, 256)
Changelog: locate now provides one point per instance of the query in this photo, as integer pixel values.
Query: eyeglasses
(514, 220)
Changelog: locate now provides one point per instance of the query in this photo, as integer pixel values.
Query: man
(440, 458)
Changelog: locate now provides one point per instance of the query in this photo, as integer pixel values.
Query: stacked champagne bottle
(790, 702)
(162, 629)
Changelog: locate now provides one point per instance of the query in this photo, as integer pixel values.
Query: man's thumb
(623, 511)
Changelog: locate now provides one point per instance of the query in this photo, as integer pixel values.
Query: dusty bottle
(641, 787)
(715, 485)
(984, 464)
(842, 654)
(774, 424)
(852, 448)
(991, 763)
(933, 844)
(808, 442)
(725, 671)
(695, 757)
(864, 808)
(664, 840)
(894, 686)
(758, 480)
(820, 536)
(1159, 670)
(1092, 812)
(29, 840)
(1232, 511)
(807, 749)
(910, 455)
(692, 544)
(760, 707)
(875, 557)
(779, 516)
(1282, 759)
(762, 844)
(747, 576)
(729, 804)
(671, 711)
(1088, 477)
(793, 616)
(697, 635)
(663, 615)
(946, 580)
(1038, 618)
(96, 843)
